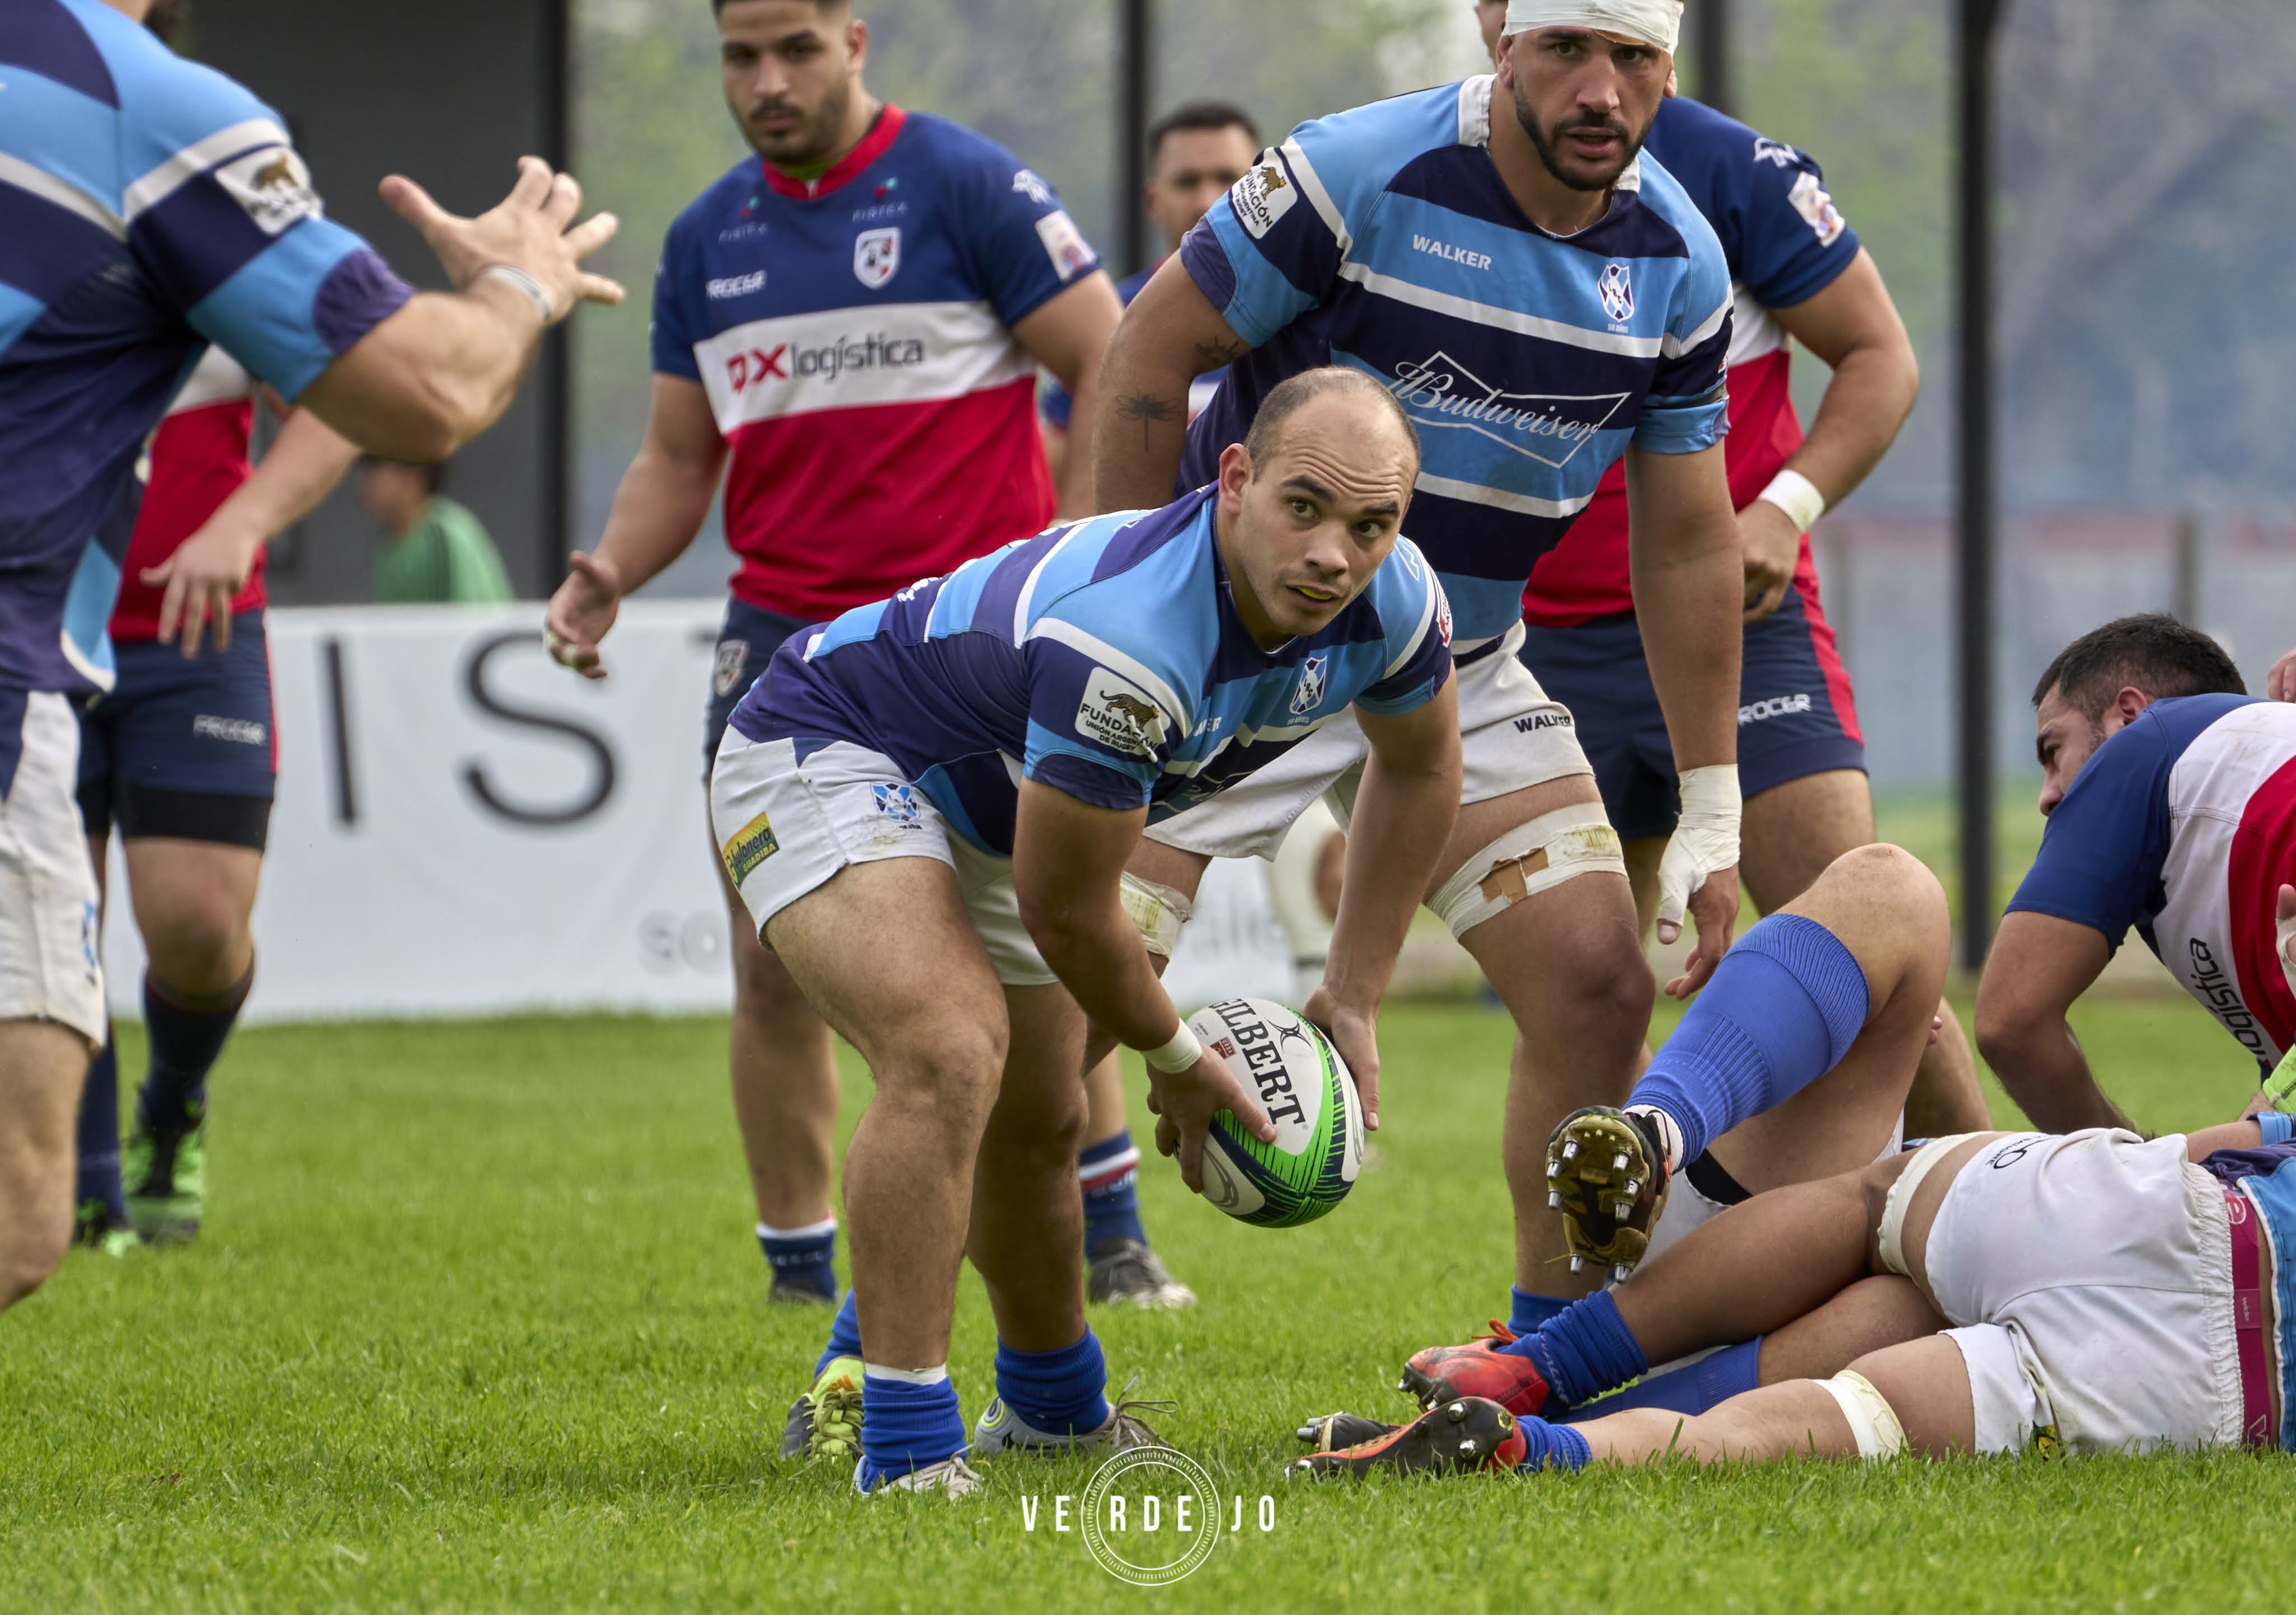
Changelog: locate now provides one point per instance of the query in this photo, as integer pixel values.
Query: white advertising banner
(464, 828)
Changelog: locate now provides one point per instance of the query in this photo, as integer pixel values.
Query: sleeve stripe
(1426, 619)
(52, 188)
(1312, 188)
(1498, 498)
(1674, 347)
(1501, 319)
(1029, 587)
(197, 158)
(1115, 661)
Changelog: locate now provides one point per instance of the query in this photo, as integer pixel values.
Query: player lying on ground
(2097, 1290)
(2172, 800)
(927, 805)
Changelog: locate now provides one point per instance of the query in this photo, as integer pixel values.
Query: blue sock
(905, 1425)
(99, 1134)
(844, 1336)
(1716, 1377)
(1058, 1392)
(187, 1032)
(1550, 1446)
(1530, 1311)
(802, 1259)
(1109, 1173)
(1782, 1010)
(1583, 1351)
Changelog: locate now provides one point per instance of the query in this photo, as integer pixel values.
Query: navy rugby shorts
(745, 644)
(183, 747)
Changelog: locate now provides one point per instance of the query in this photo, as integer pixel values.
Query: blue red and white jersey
(1103, 659)
(1785, 243)
(854, 335)
(1053, 404)
(148, 207)
(2183, 826)
(1384, 239)
(198, 458)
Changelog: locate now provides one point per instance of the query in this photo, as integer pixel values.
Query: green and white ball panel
(1308, 1093)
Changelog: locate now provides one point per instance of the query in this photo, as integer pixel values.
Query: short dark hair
(433, 472)
(1287, 395)
(2151, 652)
(1201, 115)
(820, 5)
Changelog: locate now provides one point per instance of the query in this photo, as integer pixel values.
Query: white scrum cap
(1654, 22)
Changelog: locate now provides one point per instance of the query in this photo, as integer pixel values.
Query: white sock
(1669, 1133)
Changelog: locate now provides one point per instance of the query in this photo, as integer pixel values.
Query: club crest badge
(1617, 290)
(898, 803)
(1308, 694)
(732, 657)
(877, 255)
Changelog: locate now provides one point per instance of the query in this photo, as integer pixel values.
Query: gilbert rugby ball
(1308, 1092)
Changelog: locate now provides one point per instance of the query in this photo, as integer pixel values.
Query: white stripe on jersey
(1311, 186)
(1672, 347)
(53, 188)
(196, 159)
(217, 379)
(1499, 498)
(2209, 793)
(1755, 333)
(1503, 319)
(1086, 643)
(842, 359)
(1406, 554)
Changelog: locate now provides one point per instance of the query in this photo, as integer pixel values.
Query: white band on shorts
(1536, 854)
(1158, 912)
(1891, 1236)
(1182, 1051)
(1798, 497)
(1872, 1420)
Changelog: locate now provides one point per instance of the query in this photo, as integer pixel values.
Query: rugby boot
(1329, 1432)
(167, 1176)
(825, 1421)
(98, 1227)
(798, 1294)
(1445, 1374)
(1125, 1271)
(1003, 1431)
(1472, 1433)
(952, 1477)
(1606, 1173)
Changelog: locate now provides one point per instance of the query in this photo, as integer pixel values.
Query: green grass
(477, 1324)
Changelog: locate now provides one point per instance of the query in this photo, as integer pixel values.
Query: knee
(953, 1067)
(199, 942)
(1610, 985)
(1042, 1135)
(1883, 873)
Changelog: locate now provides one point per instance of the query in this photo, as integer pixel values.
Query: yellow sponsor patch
(750, 845)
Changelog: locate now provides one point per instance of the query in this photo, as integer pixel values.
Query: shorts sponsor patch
(273, 185)
(1775, 706)
(1817, 210)
(239, 731)
(1262, 197)
(732, 657)
(1064, 244)
(750, 845)
(1118, 714)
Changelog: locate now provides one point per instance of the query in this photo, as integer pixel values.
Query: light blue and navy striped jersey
(1384, 239)
(1104, 659)
(148, 207)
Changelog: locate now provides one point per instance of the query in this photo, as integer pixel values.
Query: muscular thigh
(1793, 830)
(1926, 1384)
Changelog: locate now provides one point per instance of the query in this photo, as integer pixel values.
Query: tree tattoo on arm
(1150, 410)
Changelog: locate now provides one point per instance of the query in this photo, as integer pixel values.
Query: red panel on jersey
(2263, 860)
(1586, 576)
(199, 459)
(917, 489)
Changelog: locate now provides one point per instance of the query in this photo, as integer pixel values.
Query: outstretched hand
(200, 580)
(1184, 1103)
(580, 612)
(532, 229)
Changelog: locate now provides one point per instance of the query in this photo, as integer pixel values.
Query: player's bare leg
(42, 1064)
(192, 901)
(784, 1073)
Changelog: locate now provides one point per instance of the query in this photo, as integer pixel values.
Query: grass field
(477, 1324)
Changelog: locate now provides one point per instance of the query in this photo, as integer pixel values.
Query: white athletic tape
(1889, 1238)
(1176, 1054)
(1872, 1420)
(1654, 22)
(1798, 497)
(1536, 854)
(1705, 838)
(1160, 913)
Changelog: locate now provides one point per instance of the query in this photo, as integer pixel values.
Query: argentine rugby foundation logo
(1120, 714)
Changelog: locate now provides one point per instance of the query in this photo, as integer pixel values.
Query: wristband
(2277, 1126)
(1177, 1054)
(528, 284)
(1798, 497)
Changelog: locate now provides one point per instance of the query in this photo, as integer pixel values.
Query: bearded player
(845, 325)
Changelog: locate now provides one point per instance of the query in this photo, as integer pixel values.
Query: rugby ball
(1308, 1092)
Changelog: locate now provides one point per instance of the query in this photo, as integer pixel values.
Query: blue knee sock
(1109, 1173)
(99, 1134)
(187, 1032)
(905, 1425)
(1583, 1351)
(1783, 1009)
(844, 1337)
(1528, 1311)
(1692, 1389)
(802, 1259)
(1057, 1392)
(1549, 1446)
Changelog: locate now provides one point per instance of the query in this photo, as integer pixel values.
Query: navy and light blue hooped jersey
(1104, 659)
(1384, 239)
(2183, 826)
(148, 207)
(854, 334)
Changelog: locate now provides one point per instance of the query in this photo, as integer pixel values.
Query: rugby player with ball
(926, 807)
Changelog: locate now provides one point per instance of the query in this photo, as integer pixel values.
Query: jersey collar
(845, 168)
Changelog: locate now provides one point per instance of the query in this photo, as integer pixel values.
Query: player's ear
(2129, 702)
(857, 44)
(1235, 472)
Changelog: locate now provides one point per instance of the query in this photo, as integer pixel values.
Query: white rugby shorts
(50, 969)
(1687, 1208)
(2089, 1278)
(1513, 736)
(784, 827)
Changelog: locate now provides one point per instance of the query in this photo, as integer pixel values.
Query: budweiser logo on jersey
(1439, 392)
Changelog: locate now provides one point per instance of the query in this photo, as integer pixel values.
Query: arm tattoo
(1150, 410)
(1212, 355)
